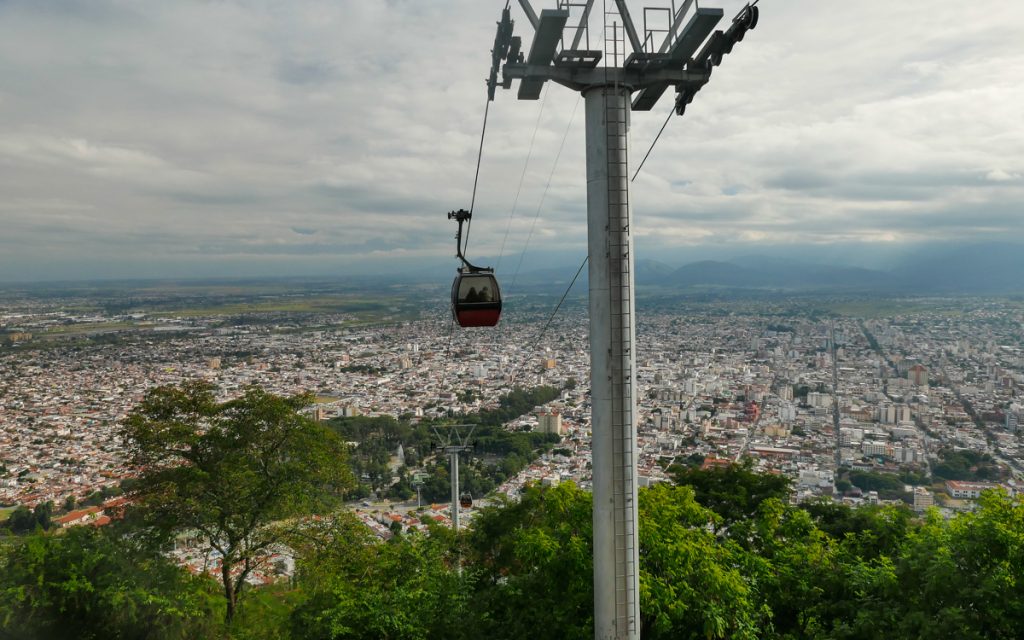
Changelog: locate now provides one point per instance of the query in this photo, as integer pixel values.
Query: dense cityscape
(739, 380)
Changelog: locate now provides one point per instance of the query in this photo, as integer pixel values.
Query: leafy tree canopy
(93, 584)
(241, 473)
(734, 492)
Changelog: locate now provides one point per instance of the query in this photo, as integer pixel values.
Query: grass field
(888, 307)
(304, 304)
(87, 327)
(5, 512)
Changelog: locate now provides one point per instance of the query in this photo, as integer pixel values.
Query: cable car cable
(552, 316)
(670, 114)
(559, 305)
(479, 157)
(522, 176)
(540, 205)
(746, 19)
(519, 190)
(547, 187)
(476, 178)
(476, 294)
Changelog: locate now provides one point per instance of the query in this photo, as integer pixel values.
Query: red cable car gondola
(466, 500)
(476, 297)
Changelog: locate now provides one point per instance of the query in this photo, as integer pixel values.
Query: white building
(817, 399)
(967, 490)
(876, 448)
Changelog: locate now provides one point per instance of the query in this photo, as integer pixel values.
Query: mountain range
(977, 269)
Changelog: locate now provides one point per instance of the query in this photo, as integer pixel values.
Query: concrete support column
(613, 372)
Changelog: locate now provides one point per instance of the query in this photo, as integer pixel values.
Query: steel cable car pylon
(690, 51)
(476, 297)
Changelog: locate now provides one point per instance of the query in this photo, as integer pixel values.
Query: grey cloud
(273, 249)
(720, 214)
(217, 199)
(913, 185)
(799, 179)
(371, 200)
(305, 73)
(312, 132)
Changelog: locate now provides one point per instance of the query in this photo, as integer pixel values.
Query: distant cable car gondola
(466, 500)
(476, 297)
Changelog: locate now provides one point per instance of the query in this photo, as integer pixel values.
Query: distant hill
(991, 268)
(651, 271)
(774, 273)
(543, 279)
(711, 272)
(981, 268)
(963, 269)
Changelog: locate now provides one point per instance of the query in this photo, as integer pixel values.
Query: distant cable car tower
(671, 56)
(453, 446)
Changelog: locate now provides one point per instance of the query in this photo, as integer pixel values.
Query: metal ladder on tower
(616, 110)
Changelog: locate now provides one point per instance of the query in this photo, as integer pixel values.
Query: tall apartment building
(918, 374)
(550, 422)
(1014, 417)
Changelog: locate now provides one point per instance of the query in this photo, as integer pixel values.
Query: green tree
(94, 499)
(961, 578)
(241, 473)
(95, 584)
(965, 465)
(395, 527)
(691, 585)
(43, 514)
(534, 559)
(734, 492)
(22, 520)
(887, 485)
(868, 530)
(791, 562)
(408, 589)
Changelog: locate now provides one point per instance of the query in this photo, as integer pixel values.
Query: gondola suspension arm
(462, 216)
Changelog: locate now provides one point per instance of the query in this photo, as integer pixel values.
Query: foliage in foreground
(90, 584)
(818, 571)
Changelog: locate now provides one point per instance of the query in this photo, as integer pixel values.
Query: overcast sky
(167, 139)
